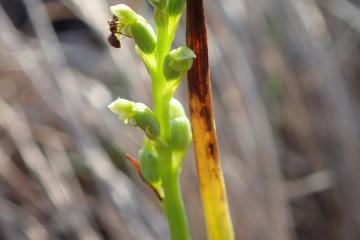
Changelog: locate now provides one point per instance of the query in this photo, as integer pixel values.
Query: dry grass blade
(58, 192)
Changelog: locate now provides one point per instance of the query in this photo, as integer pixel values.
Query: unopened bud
(180, 133)
(149, 165)
(147, 121)
(143, 35)
(178, 62)
(137, 114)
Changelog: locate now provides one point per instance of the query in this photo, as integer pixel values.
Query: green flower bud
(147, 121)
(125, 14)
(180, 133)
(124, 109)
(176, 109)
(149, 165)
(137, 114)
(182, 58)
(178, 62)
(143, 35)
(176, 7)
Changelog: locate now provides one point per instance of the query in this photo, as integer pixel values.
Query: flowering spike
(167, 129)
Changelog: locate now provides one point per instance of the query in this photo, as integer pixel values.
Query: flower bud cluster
(161, 154)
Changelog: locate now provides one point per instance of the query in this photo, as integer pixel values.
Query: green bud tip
(125, 14)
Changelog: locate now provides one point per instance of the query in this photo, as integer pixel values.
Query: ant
(112, 39)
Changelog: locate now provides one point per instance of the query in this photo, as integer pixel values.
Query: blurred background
(285, 77)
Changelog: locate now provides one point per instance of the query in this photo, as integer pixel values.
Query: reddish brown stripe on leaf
(197, 41)
(205, 114)
(211, 148)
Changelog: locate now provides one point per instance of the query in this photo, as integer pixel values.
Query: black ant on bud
(112, 39)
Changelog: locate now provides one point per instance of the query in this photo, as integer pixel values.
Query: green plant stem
(172, 203)
(161, 98)
(174, 209)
